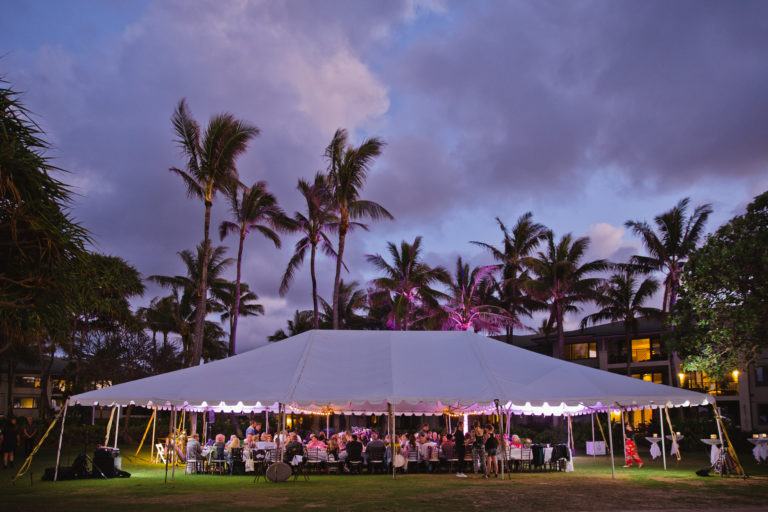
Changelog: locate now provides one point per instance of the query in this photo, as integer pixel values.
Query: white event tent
(417, 372)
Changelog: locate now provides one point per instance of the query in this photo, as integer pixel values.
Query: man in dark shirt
(354, 450)
(293, 448)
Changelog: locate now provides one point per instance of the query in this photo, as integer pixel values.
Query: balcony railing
(714, 388)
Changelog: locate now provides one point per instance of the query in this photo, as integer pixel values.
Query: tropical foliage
(721, 319)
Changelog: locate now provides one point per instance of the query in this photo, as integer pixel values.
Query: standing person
(459, 449)
(10, 440)
(29, 436)
(491, 445)
(630, 449)
(254, 429)
(478, 450)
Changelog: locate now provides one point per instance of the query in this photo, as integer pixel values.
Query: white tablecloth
(655, 450)
(760, 451)
(596, 448)
(714, 453)
(675, 446)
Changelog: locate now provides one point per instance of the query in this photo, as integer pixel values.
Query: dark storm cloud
(486, 108)
(539, 93)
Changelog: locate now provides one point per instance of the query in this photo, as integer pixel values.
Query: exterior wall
(26, 394)
(747, 400)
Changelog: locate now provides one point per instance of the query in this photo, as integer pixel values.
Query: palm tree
(408, 283)
(182, 300)
(621, 299)
(562, 280)
(512, 257)
(314, 226)
(256, 210)
(351, 300)
(347, 172)
(301, 322)
(676, 236)
(210, 168)
(242, 298)
(471, 304)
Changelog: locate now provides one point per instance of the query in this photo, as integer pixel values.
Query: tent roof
(420, 372)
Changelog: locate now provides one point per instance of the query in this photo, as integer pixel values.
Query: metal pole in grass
(610, 440)
(173, 445)
(167, 445)
(154, 427)
(663, 446)
(117, 425)
(592, 416)
(61, 437)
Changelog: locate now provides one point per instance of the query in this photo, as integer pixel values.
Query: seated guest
(194, 450)
(250, 442)
(293, 448)
(219, 447)
(234, 442)
(375, 442)
(315, 443)
(333, 449)
(321, 437)
(354, 450)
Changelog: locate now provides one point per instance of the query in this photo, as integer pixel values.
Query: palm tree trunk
(628, 344)
(315, 314)
(202, 292)
(339, 259)
(236, 306)
(154, 348)
(560, 332)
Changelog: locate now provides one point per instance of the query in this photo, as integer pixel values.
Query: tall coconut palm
(562, 280)
(255, 210)
(622, 298)
(408, 281)
(245, 303)
(512, 256)
(211, 159)
(470, 304)
(348, 168)
(314, 225)
(301, 322)
(676, 236)
(184, 294)
(352, 300)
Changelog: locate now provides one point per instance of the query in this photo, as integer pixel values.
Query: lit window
(641, 350)
(761, 376)
(26, 381)
(576, 351)
(25, 402)
(655, 377)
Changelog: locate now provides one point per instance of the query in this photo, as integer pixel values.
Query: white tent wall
(361, 372)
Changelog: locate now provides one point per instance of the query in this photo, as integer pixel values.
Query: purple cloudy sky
(586, 113)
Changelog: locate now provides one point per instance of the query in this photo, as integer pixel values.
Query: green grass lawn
(590, 487)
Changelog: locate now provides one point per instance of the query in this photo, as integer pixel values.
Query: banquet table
(655, 450)
(675, 449)
(760, 451)
(596, 448)
(714, 453)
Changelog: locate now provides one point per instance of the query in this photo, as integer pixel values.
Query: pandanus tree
(622, 298)
(408, 282)
(669, 246)
(211, 159)
(314, 225)
(471, 303)
(183, 296)
(562, 281)
(348, 169)
(255, 209)
(512, 258)
(239, 301)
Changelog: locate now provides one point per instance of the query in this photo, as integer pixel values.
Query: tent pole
(592, 416)
(154, 427)
(328, 425)
(502, 443)
(624, 435)
(391, 433)
(168, 444)
(394, 436)
(610, 439)
(663, 445)
(266, 421)
(173, 444)
(117, 425)
(61, 437)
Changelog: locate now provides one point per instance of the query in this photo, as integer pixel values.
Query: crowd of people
(422, 450)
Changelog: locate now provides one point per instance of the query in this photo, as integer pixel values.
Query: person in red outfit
(630, 449)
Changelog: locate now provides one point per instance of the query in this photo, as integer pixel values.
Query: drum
(279, 472)
(399, 461)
